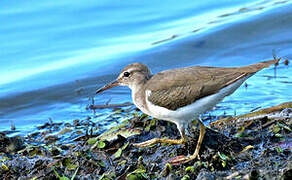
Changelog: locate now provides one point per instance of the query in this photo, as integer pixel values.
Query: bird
(181, 95)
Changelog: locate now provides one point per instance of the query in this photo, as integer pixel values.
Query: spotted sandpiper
(181, 95)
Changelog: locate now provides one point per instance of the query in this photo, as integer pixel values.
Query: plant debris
(251, 146)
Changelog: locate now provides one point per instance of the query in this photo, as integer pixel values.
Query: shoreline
(254, 145)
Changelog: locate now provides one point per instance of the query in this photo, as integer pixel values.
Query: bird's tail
(258, 66)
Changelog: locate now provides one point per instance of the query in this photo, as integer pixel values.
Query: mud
(252, 146)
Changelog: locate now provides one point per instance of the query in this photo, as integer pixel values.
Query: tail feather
(258, 66)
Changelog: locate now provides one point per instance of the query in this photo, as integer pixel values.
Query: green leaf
(222, 156)
(57, 174)
(91, 140)
(138, 171)
(68, 164)
(224, 164)
(75, 174)
(125, 146)
(135, 114)
(123, 162)
(113, 134)
(143, 116)
(101, 163)
(147, 128)
(285, 127)
(167, 169)
(153, 122)
(145, 175)
(132, 177)
(118, 153)
(137, 174)
(104, 176)
(190, 169)
(276, 129)
(60, 178)
(186, 177)
(205, 164)
(239, 134)
(278, 135)
(247, 148)
(279, 149)
(101, 144)
(4, 167)
(64, 178)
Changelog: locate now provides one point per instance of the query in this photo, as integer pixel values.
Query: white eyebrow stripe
(130, 70)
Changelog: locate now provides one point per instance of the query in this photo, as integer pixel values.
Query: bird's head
(132, 76)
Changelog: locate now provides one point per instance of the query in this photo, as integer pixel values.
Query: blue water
(55, 54)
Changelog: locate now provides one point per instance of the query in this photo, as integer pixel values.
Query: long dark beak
(108, 86)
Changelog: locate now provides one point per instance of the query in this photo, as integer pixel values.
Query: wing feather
(175, 89)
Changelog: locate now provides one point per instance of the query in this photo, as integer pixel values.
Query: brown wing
(173, 89)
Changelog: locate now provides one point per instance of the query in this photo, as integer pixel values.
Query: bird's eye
(126, 74)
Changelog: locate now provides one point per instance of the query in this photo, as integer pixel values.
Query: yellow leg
(201, 137)
(183, 159)
(160, 140)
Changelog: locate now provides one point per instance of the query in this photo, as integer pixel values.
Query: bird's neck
(138, 96)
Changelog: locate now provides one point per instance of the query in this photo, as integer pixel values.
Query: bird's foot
(183, 159)
(159, 140)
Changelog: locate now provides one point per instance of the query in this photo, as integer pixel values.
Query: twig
(109, 106)
(269, 123)
(254, 109)
(233, 175)
(107, 103)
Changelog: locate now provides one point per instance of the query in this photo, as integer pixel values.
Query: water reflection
(56, 54)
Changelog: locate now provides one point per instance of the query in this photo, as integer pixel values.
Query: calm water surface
(55, 54)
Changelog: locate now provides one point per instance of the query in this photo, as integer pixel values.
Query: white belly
(191, 112)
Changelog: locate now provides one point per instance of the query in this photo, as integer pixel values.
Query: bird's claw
(183, 159)
(146, 143)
